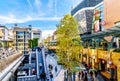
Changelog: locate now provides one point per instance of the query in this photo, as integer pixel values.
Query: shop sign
(103, 55)
(102, 23)
(96, 26)
(97, 12)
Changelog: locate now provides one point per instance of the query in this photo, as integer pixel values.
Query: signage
(102, 23)
(97, 12)
(96, 26)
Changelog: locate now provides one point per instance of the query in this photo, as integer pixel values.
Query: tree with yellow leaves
(69, 44)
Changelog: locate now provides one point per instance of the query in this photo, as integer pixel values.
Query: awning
(109, 32)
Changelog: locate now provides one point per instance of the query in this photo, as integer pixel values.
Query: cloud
(46, 33)
(38, 5)
(50, 5)
(52, 8)
(7, 19)
(74, 2)
(28, 1)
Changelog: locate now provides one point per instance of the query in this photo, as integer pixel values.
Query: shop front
(115, 57)
(93, 58)
(102, 60)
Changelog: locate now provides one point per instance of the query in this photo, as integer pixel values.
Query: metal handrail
(12, 69)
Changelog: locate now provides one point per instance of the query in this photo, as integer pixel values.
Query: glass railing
(27, 78)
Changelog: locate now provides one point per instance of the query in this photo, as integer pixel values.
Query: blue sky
(43, 14)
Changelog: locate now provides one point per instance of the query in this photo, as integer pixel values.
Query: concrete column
(117, 42)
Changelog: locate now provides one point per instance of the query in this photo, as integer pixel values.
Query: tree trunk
(69, 74)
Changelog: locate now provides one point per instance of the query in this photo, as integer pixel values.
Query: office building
(21, 37)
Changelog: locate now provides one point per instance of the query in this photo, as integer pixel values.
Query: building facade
(4, 33)
(98, 18)
(112, 19)
(112, 13)
(85, 3)
(84, 18)
(36, 33)
(6, 37)
(21, 37)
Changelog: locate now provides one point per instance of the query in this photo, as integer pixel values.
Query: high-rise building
(85, 3)
(36, 33)
(21, 37)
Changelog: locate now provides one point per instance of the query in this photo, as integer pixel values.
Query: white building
(36, 33)
(4, 33)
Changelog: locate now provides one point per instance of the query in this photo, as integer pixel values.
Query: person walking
(91, 78)
(82, 75)
(95, 72)
(51, 76)
(55, 68)
(85, 78)
(79, 73)
(91, 73)
(44, 76)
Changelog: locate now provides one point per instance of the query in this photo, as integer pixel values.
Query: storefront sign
(102, 23)
(96, 26)
(103, 55)
(97, 12)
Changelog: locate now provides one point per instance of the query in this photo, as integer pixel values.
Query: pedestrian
(91, 78)
(41, 76)
(44, 76)
(85, 78)
(95, 73)
(51, 76)
(82, 74)
(79, 75)
(56, 69)
(51, 67)
(91, 73)
(33, 71)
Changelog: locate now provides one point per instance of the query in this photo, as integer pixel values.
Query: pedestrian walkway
(60, 76)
